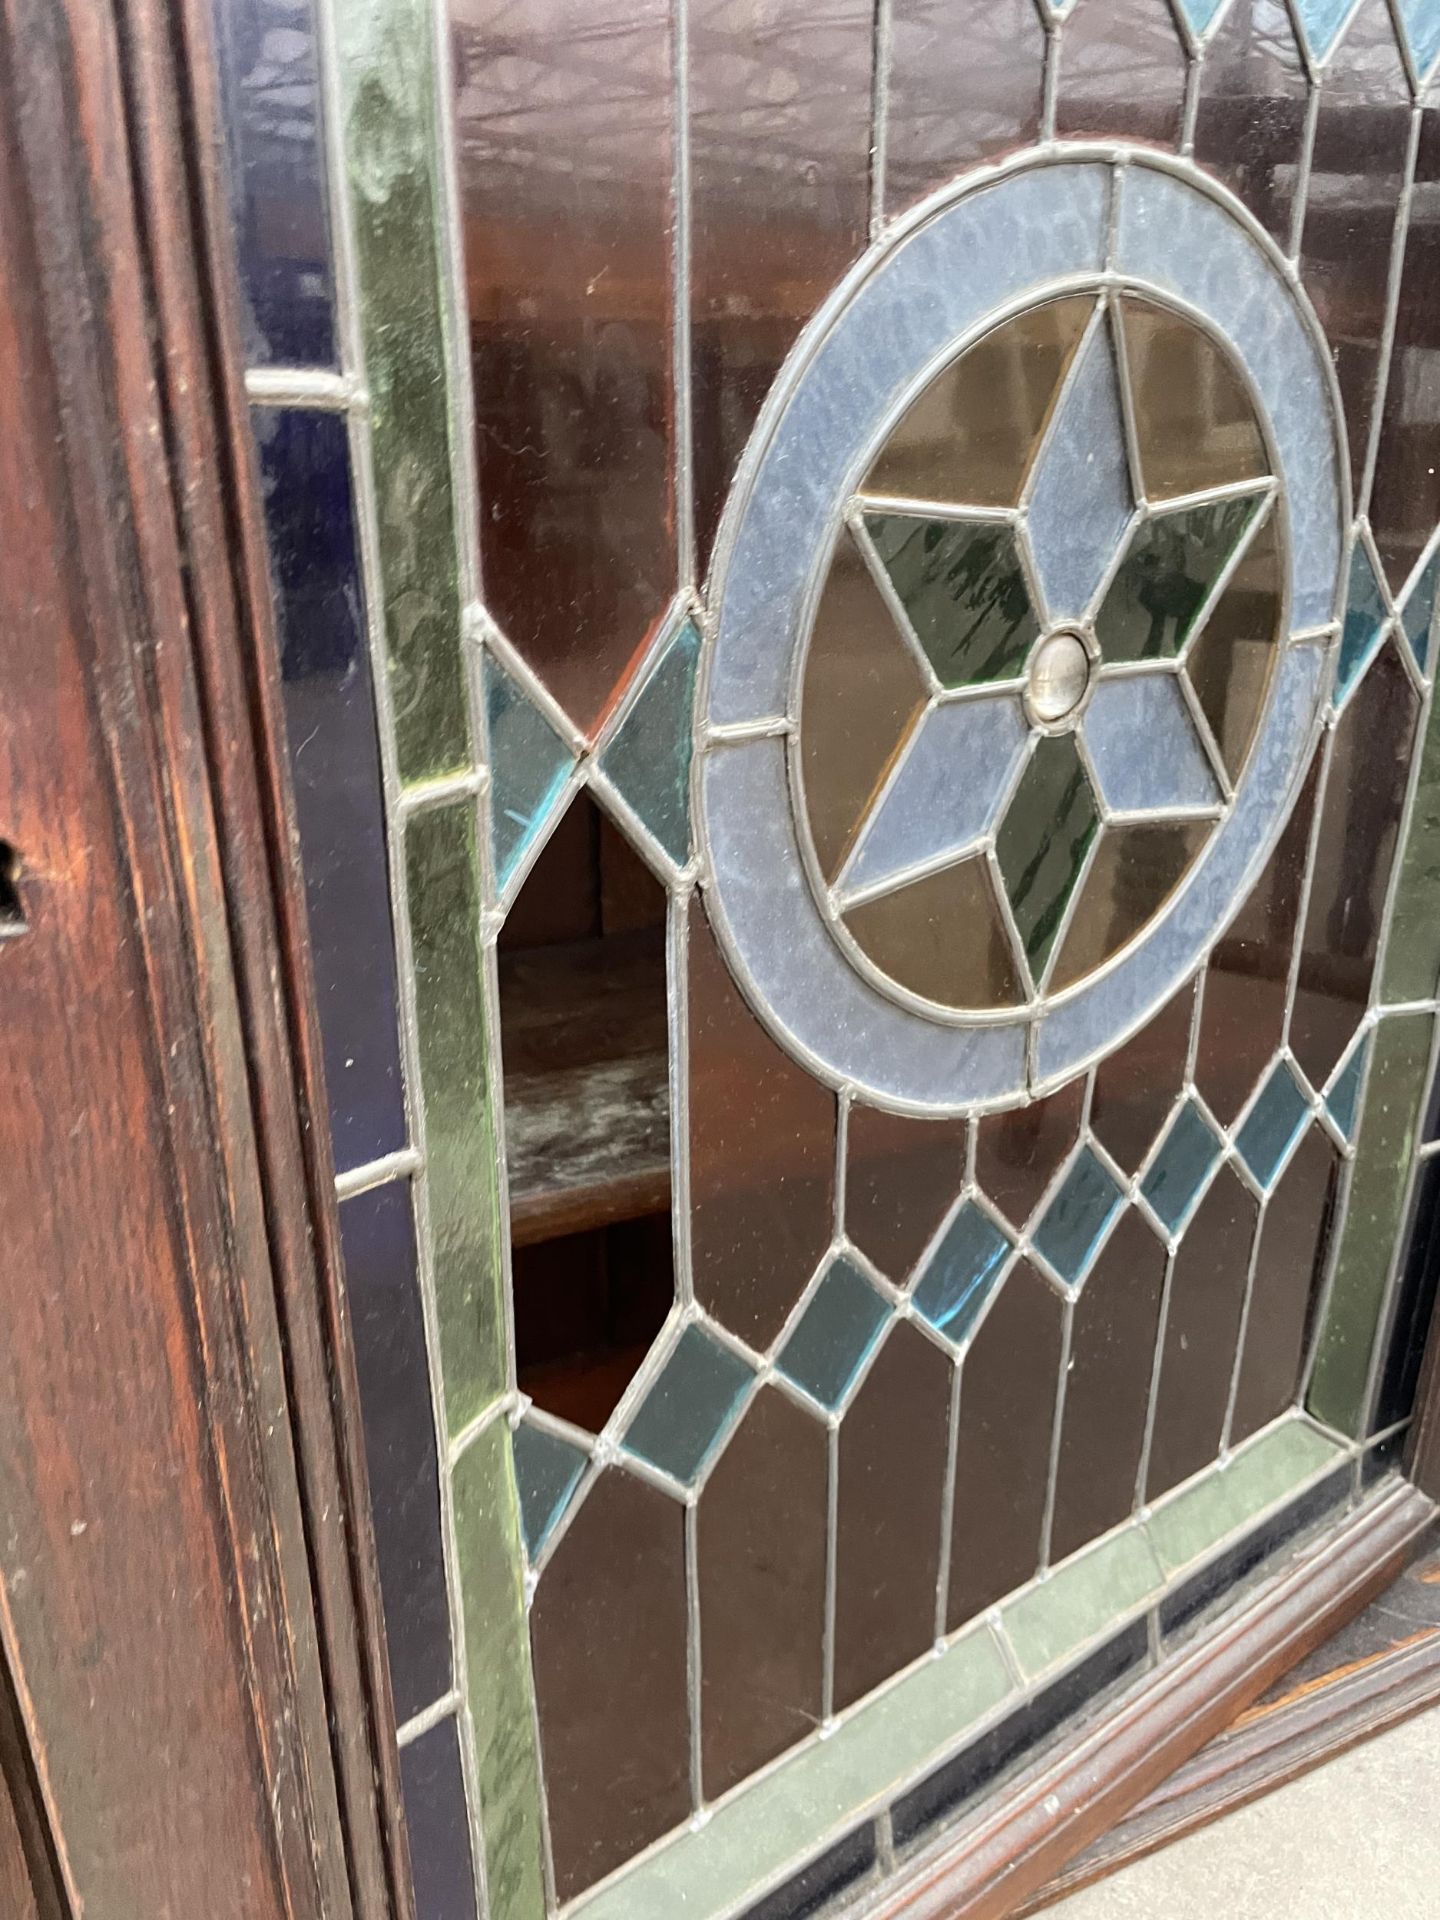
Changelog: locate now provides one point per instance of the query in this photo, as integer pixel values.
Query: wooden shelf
(587, 1096)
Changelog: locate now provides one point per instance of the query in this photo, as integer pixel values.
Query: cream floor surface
(1358, 1839)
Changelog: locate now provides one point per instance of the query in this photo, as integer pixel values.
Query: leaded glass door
(857, 591)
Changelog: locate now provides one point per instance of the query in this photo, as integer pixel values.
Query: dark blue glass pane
(440, 1860)
(335, 766)
(378, 1237)
(270, 99)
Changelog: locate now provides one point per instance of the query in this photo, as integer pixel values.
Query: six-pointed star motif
(977, 592)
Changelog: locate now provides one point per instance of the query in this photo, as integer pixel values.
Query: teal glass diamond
(1076, 1219)
(529, 765)
(547, 1472)
(836, 1332)
(962, 1272)
(690, 1406)
(1343, 1098)
(1271, 1124)
(1417, 615)
(1364, 621)
(648, 760)
(1180, 1169)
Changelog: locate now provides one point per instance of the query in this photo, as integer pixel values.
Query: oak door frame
(131, 474)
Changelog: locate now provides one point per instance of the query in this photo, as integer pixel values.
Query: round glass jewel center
(1059, 675)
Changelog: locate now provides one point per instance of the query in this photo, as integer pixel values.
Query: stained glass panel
(867, 794)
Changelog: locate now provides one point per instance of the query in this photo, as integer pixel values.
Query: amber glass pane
(761, 1542)
(1288, 1268)
(1139, 1083)
(1230, 663)
(1018, 1154)
(1008, 1384)
(762, 1153)
(862, 687)
(564, 138)
(1122, 71)
(1243, 1015)
(966, 83)
(1202, 1322)
(779, 202)
(1364, 796)
(1405, 504)
(901, 1176)
(1135, 872)
(968, 438)
(1357, 169)
(608, 1633)
(1107, 1387)
(942, 937)
(894, 1441)
(1194, 424)
(1250, 126)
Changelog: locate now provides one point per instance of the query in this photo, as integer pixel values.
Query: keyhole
(12, 913)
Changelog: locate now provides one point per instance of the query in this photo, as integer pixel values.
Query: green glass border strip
(442, 863)
(769, 1828)
(1374, 1214)
(466, 1238)
(1412, 946)
(385, 52)
(497, 1651)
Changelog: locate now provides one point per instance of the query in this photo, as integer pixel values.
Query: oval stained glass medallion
(1015, 671)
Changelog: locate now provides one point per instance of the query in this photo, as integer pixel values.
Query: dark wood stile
(186, 1598)
(180, 172)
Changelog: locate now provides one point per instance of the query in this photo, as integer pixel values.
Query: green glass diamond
(1173, 561)
(961, 585)
(1043, 843)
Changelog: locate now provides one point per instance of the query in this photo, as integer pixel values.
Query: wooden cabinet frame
(131, 456)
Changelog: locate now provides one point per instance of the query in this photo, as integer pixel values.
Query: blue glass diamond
(1076, 1219)
(1271, 1124)
(962, 1272)
(690, 1407)
(836, 1332)
(1179, 1170)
